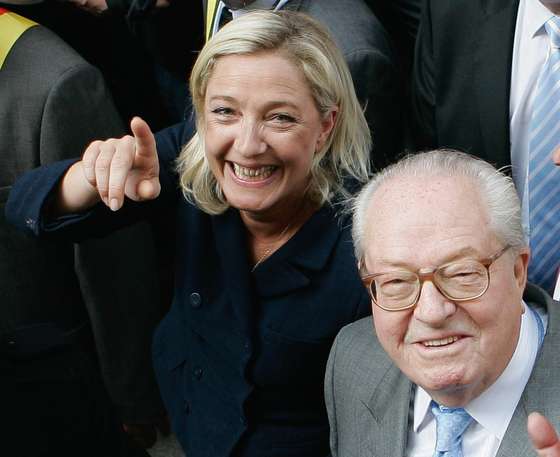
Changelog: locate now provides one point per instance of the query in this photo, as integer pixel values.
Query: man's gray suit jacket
(371, 58)
(369, 400)
(52, 104)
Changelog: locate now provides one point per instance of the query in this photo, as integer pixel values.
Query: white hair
(495, 188)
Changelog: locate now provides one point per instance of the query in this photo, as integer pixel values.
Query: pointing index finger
(144, 138)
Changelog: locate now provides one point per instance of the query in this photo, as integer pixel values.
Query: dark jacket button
(198, 373)
(196, 300)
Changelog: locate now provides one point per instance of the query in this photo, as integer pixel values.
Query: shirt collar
(536, 15)
(494, 408)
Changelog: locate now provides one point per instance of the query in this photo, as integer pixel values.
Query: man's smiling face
(454, 350)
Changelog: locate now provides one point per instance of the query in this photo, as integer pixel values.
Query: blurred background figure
(75, 321)
(144, 52)
(170, 31)
(401, 18)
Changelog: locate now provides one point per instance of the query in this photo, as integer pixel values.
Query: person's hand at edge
(543, 436)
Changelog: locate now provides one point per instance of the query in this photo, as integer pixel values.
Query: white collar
(535, 16)
(494, 408)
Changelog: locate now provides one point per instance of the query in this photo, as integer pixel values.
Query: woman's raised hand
(127, 166)
(109, 171)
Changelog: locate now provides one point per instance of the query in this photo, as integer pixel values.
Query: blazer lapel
(493, 76)
(308, 251)
(389, 406)
(516, 440)
(541, 394)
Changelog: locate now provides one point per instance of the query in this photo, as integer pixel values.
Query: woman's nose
(249, 139)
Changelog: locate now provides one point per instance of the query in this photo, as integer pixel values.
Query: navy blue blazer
(240, 357)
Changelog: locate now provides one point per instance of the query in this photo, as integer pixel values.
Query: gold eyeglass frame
(430, 275)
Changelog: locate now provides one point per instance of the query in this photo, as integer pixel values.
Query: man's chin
(452, 394)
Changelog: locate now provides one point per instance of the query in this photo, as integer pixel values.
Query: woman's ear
(327, 125)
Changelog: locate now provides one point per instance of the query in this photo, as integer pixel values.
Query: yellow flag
(12, 26)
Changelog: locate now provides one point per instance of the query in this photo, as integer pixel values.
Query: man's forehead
(442, 213)
(422, 200)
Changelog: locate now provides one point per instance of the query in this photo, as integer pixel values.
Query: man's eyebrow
(467, 251)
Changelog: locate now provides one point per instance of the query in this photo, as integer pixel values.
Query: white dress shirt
(530, 51)
(491, 411)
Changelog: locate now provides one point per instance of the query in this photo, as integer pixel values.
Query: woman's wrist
(74, 193)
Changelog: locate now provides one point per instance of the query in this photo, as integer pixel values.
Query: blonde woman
(265, 274)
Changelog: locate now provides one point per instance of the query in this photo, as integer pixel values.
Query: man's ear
(520, 268)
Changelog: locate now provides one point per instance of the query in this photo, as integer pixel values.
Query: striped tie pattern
(544, 176)
(451, 423)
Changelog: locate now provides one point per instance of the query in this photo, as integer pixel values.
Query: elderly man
(463, 348)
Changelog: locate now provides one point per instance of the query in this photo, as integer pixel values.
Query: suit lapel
(541, 394)
(389, 407)
(289, 268)
(286, 270)
(493, 76)
(516, 440)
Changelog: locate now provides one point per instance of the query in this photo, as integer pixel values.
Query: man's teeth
(261, 173)
(441, 342)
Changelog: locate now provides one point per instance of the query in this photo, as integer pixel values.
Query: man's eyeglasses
(459, 281)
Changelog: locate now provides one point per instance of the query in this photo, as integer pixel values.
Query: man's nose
(433, 307)
(249, 139)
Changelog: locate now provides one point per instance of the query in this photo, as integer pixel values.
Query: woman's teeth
(248, 173)
(441, 342)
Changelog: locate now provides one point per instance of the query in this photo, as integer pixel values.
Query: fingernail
(114, 204)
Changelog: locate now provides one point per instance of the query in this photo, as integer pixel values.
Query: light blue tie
(544, 176)
(451, 424)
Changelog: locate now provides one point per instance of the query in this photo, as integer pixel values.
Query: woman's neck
(268, 234)
(271, 225)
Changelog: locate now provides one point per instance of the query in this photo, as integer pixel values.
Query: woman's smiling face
(261, 131)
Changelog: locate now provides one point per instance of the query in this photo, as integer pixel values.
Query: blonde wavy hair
(307, 44)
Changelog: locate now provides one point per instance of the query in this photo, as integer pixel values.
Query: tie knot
(451, 423)
(552, 27)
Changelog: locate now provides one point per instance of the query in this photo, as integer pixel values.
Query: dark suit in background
(401, 19)
(52, 104)
(106, 42)
(462, 76)
(373, 65)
